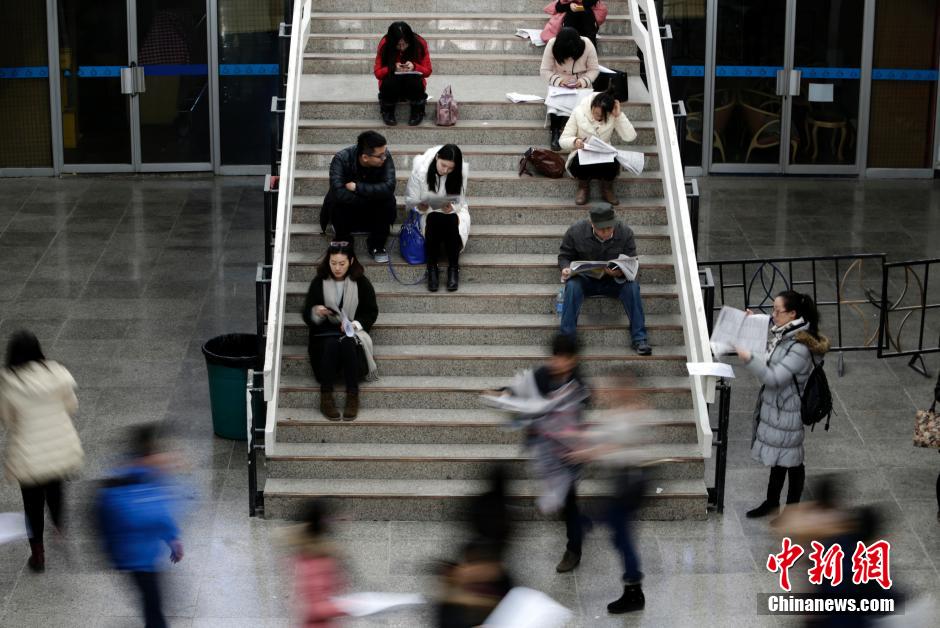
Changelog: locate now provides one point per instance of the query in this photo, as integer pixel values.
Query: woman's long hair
(568, 45)
(396, 32)
(23, 348)
(345, 248)
(454, 183)
(605, 101)
(804, 307)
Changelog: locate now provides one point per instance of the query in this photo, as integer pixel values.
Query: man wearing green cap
(602, 238)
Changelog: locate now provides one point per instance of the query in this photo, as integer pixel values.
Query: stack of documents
(517, 97)
(532, 34)
(597, 151)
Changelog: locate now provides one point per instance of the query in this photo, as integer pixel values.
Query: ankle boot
(631, 600)
(37, 561)
(352, 406)
(434, 277)
(584, 192)
(452, 278)
(555, 128)
(763, 510)
(328, 405)
(417, 113)
(607, 192)
(388, 114)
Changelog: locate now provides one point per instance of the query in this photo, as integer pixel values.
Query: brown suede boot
(328, 405)
(352, 406)
(37, 562)
(607, 192)
(584, 191)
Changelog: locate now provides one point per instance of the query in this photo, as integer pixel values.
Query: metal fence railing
(910, 312)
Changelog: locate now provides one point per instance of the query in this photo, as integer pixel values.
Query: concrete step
(464, 392)
(508, 183)
(491, 132)
(527, 239)
(491, 210)
(499, 329)
(423, 426)
(496, 361)
(459, 42)
(440, 22)
(500, 63)
(449, 500)
(445, 462)
(499, 158)
(487, 7)
(472, 110)
(489, 268)
(494, 299)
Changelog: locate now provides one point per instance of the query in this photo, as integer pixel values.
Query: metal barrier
(716, 494)
(270, 215)
(692, 198)
(708, 296)
(277, 133)
(257, 409)
(262, 296)
(907, 305)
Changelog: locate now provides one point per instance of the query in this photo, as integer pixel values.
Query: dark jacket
(366, 313)
(580, 244)
(371, 183)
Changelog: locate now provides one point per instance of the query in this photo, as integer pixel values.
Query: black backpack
(816, 398)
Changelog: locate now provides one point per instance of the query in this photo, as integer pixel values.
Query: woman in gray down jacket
(795, 345)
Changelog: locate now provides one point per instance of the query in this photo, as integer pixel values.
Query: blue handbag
(410, 240)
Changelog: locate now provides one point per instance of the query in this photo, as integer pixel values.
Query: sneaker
(642, 347)
(379, 255)
(631, 600)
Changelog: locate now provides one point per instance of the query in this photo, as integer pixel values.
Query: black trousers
(339, 354)
(374, 216)
(574, 521)
(584, 22)
(605, 172)
(148, 583)
(440, 230)
(35, 498)
(794, 489)
(395, 89)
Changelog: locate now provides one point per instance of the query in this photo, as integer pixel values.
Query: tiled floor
(124, 279)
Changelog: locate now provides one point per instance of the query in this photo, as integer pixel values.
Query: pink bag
(446, 109)
(554, 22)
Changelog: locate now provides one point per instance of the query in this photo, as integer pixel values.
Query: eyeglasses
(339, 245)
(776, 311)
(381, 156)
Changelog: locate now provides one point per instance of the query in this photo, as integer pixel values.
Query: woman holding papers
(402, 66)
(596, 118)
(777, 441)
(438, 189)
(340, 309)
(569, 61)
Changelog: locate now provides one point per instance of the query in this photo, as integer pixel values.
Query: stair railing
(275, 332)
(680, 229)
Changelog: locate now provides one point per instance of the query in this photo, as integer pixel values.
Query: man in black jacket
(362, 193)
(602, 238)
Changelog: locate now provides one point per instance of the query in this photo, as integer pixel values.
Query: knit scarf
(350, 303)
(777, 333)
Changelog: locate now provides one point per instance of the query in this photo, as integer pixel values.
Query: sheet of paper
(604, 70)
(534, 35)
(12, 527)
(716, 369)
(821, 92)
(527, 608)
(734, 328)
(565, 98)
(597, 144)
(348, 328)
(631, 160)
(362, 604)
(589, 157)
(517, 97)
(410, 73)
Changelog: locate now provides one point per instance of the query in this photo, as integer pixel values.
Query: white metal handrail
(690, 291)
(272, 353)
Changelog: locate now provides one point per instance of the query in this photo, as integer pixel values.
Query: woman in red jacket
(402, 65)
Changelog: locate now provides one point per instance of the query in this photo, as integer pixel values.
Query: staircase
(422, 440)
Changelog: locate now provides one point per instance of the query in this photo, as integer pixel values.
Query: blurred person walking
(136, 508)
(37, 402)
(777, 442)
(318, 572)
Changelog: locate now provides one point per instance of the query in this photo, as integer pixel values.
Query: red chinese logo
(826, 565)
(783, 561)
(871, 563)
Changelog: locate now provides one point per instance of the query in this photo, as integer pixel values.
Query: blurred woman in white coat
(438, 189)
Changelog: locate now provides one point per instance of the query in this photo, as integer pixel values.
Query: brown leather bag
(544, 162)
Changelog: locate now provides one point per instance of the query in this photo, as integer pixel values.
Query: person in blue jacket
(136, 507)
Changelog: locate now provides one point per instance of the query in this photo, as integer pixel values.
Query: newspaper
(368, 603)
(408, 73)
(597, 151)
(736, 328)
(517, 97)
(564, 99)
(534, 35)
(629, 265)
(527, 608)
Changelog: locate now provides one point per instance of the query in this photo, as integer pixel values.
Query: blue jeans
(628, 492)
(578, 287)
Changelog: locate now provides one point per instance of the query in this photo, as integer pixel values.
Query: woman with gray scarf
(340, 309)
(777, 441)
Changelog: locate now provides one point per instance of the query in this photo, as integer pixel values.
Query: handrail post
(692, 198)
(257, 411)
(717, 494)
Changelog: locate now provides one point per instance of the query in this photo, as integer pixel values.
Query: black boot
(453, 275)
(631, 600)
(771, 505)
(37, 559)
(434, 277)
(417, 113)
(388, 114)
(555, 125)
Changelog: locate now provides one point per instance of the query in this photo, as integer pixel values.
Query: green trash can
(228, 359)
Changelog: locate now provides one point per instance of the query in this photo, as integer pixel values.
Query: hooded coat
(777, 439)
(37, 401)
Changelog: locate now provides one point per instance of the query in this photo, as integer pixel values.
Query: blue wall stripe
(831, 73)
(892, 74)
(748, 71)
(39, 71)
(248, 69)
(878, 74)
(688, 70)
(196, 69)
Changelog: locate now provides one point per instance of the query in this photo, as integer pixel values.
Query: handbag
(543, 161)
(446, 109)
(410, 240)
(927, 428)
(362, 363)
(614, 82)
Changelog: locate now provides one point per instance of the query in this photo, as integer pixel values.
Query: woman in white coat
(438, 189)
(598, 116)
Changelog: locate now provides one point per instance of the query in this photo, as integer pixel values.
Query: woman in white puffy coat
(438, 189)
(37, 401)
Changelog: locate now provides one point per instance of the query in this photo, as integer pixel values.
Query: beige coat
(36, 405)
(582, 125)
(584, 69)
